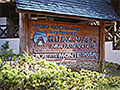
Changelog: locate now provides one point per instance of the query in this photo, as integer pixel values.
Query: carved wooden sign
(56, 41)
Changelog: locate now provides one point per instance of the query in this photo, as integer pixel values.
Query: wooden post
(23, 32)
(100, 64)
(114, 36)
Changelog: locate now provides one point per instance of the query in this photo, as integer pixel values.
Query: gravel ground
(111, 68)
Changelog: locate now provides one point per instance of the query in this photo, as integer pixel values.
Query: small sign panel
(56, 41)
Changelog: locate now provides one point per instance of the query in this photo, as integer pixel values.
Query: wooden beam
(23, 32)
(109, 34)
(108, 24)
(62, 15)
(114, 36)
(83, 22)
(100, 64)
(110, 28)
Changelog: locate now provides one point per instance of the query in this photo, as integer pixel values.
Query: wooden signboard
(55, 41)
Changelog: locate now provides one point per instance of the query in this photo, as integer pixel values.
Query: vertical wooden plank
(114, 36)
(28, 43)
(100, 64)
(23, 32)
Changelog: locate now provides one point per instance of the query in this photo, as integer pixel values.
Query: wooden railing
(116, 40)
(9, 31)
(109, 31)
(7, 1)
(113, 34)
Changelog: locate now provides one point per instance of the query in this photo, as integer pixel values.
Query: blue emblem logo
(40, 38)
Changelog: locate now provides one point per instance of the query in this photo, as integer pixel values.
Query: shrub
(31, 74)
(43, 75)
(7, 54)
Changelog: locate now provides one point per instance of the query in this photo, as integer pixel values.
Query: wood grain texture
(100, 64)
(68, 41)
(23, 32)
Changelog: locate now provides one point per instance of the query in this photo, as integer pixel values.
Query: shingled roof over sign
(98, 9)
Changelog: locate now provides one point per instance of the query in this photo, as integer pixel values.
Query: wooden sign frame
(57, 41)
(24, 35)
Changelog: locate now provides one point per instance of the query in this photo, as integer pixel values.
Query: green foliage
(43, 75)
(7, 54)
(29, 74)
(112, 65)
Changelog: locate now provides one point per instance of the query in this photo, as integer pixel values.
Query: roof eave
(62, 15)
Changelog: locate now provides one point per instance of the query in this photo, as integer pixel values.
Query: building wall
(13, 44)
(110, 54)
